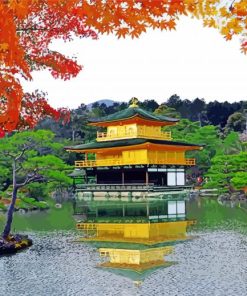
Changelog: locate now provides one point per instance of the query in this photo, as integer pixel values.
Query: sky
(192, 62)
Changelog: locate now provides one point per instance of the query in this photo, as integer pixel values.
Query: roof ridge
(132, 112)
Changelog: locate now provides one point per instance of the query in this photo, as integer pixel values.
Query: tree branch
(231, 6)
(33, 29)
(19, 168)
(31, 179)
(24, 149)
(7, 153)
(21, 154)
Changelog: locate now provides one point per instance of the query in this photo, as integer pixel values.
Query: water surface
(215, 263)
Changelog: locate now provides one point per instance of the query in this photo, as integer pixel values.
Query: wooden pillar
(147, 207)
(85, 177)
(147, 177)
(122, 177)
(96, 178)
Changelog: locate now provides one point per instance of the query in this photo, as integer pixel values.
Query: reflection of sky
(192, 62)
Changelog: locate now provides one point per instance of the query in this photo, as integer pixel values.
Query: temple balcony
(121, 162)
(139, 133)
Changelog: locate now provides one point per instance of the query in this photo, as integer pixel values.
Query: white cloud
(192, 62)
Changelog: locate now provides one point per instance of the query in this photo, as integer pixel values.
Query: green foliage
(228, 171)
(2, 206)
(32, 202)
(28, 200)
(38, 190)
(4, 174)
(243, 140)
(236, 122)
(231, 144)
(209, 137)
(192, 132)
(163, 109)
(239, 181)
(36, 153)
(183, 130)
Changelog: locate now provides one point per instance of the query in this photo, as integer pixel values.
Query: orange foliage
(27, 27)
(34, 107)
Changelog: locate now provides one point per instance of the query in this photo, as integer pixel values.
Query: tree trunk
(10, 213)
(11, 209)
(73, 135)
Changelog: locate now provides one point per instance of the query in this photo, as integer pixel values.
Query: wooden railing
(136, 187)
(119, 161)
(190, 161)
(115, 187)
(103, 136)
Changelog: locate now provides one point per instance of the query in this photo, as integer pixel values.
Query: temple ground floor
(142, 174)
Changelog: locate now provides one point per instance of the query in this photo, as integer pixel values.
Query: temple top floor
(134, 130)
(133, 122)
(133, 115)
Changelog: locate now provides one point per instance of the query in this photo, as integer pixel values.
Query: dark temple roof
(128, 142)
(131, 112)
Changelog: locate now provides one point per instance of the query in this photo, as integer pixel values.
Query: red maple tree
(27, 28)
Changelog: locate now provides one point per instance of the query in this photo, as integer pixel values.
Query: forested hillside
(226, 117)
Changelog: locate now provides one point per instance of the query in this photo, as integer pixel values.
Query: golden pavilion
(133, 187)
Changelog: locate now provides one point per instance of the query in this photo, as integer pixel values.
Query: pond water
(215, 263)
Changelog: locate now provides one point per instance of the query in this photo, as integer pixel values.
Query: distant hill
(107, 102)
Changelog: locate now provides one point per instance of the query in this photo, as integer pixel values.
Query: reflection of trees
(210, 214)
